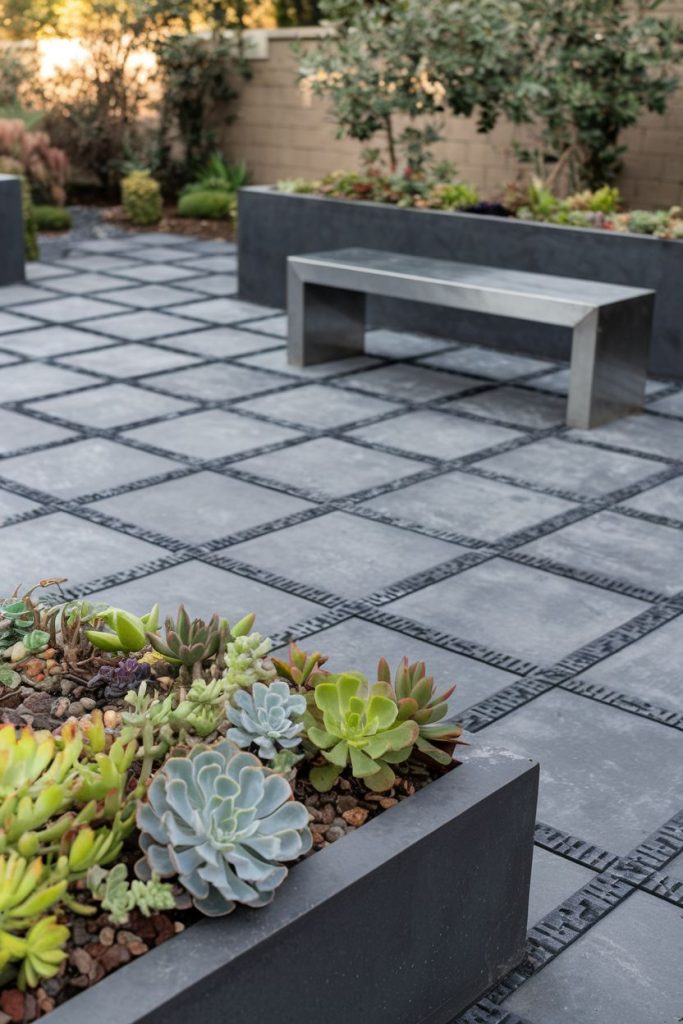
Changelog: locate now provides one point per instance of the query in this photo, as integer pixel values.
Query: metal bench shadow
(610, 324)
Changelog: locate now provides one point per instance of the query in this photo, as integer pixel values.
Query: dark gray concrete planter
(274, 225)
(410, 919)
(11, 231)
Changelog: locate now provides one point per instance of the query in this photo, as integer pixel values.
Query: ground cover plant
(150, 773)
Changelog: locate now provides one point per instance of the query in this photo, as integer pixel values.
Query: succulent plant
(247, 662)
(359, 725)
(116, 680)
(65, 794)
(303, 670)
(221, 822)
(269, 717)
(27, 890)
(415, 694)
(126, 632)
(118, 896)
(203, 709)
(190, 642)
(16, 620)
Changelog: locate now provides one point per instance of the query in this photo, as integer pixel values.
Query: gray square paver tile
(130, 360)
(607, 776)
(219, 342)
(214, 382)
(625, 970)
(357, 645)
(148, 296)
(69, 309)
(12, 322)
(7, 359)
(484, 509)
(204, 589)
(558, 382)
(277, 325)
(412, 383)
(219, 264)
(113, 405)
(155, 238)
(140, 325)
(644, 433)
(95, 262)
(315, 405)
(517, 406)
(553, 879)
(618, 546)
(401, 345)
(223, 311)
(33, 380)
(345, 555)
(201, 507)
(427, 432)
(17, 431)
(63, 545)
(52, 341)
(152, 273)
(84, 467)
(13, 294)
(552, 462)
(213, 434)
(14, 505)
(522, 611)
(85, 284)
(329, 467)
(672, 404)
(161, 253)
(220, 285)
(36, 271)
(663, 500)
(276, 360)
(485, 362)
(107, 245)
(648, 669)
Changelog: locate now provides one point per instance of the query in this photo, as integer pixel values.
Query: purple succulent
(119, 679)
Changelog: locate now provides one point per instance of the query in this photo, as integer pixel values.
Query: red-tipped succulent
(414, 692)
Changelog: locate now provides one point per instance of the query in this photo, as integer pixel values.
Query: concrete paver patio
(425, 499)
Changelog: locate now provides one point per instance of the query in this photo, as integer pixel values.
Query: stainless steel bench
(611, 324)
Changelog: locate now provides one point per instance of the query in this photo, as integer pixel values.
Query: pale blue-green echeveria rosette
(221, 822)
(267, 716)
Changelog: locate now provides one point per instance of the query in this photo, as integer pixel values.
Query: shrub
(219, 176)
(45, 166)
(208, 205)
(51, 218)
(141, 196)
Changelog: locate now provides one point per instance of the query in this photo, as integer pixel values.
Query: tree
(599, 64)
(417, 58)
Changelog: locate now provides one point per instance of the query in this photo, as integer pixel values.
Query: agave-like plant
(360, 725)
(303, 670)
(221, 822)
(417, 701)
(267, 716)
(126, 631)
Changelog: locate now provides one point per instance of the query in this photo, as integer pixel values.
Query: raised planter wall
(274, 225)
(406, 921)
(11, 231)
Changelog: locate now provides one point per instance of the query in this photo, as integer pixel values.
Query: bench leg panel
(324, 323)
(610, 350)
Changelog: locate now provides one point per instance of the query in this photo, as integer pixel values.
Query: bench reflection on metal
(611, 324)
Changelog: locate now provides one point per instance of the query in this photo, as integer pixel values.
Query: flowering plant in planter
(149, 773)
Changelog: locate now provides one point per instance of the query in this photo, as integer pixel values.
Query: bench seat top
(518, 294)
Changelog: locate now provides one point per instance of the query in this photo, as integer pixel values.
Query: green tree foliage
(597, 66)
(296, 12)
(417, 58)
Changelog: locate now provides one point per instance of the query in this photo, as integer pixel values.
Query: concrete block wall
(283, 134)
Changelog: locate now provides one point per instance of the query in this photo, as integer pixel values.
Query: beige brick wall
(282, 136)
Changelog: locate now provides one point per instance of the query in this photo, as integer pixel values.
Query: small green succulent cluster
(119, 896)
